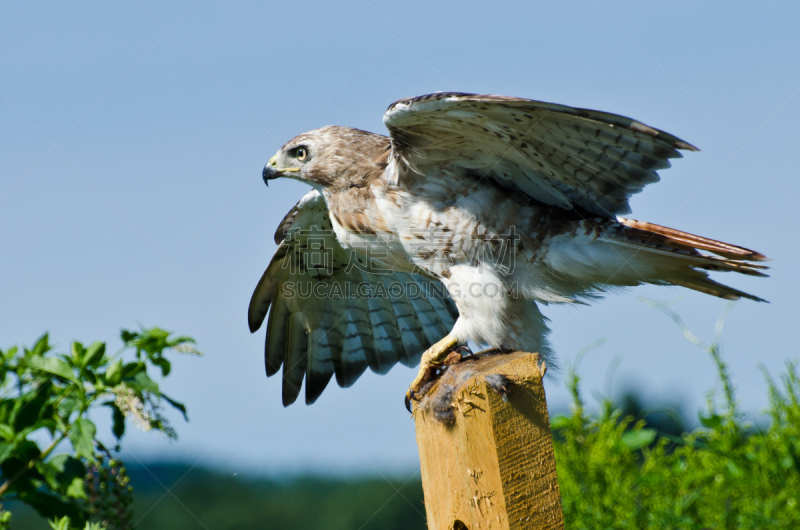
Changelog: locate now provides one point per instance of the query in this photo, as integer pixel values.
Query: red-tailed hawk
(472, 212)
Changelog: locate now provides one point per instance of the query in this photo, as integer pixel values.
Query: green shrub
(48, 399)
(616, 473)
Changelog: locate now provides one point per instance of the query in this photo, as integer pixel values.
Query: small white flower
(131, 406)
(187, 347)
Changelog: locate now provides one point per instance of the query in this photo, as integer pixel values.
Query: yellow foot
(431, 360)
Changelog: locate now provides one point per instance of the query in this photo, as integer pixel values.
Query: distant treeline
(217, 500)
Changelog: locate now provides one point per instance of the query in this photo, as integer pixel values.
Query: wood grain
(490, 464)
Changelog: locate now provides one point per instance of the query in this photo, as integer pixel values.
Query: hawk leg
(431, 360)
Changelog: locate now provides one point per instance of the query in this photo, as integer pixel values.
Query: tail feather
(682, 262)
(708, 286)
(676, 238)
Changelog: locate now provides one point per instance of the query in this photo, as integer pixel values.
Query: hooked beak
(270, 172)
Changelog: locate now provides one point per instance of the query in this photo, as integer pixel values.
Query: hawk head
(330, 157)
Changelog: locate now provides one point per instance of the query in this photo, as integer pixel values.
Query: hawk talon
(464, 350)
(434, 359)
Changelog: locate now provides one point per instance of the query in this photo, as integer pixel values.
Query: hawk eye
(301, 153)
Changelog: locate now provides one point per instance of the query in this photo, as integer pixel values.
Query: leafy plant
(614, 472)
(49, 399)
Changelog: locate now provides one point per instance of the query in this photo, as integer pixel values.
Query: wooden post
(488, 462)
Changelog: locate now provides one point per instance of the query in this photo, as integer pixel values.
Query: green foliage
(616, 473)
(54, 397)
(64, 523)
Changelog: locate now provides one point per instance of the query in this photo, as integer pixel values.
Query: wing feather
(295, 359)
(412, 340)
(433, 311)
(386, 341)
(276, 337)
(324, 352)
(319, 326)
(357, 345)
(559, 155)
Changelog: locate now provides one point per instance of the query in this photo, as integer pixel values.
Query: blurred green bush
(615, 470)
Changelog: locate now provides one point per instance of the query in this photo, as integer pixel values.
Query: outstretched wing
(334, 312)
(558, 155)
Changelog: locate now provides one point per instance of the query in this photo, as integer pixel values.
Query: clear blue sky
(132, 137)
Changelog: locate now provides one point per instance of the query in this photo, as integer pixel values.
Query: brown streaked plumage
(454, 227)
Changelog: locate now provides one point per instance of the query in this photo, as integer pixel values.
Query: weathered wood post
(487, 462)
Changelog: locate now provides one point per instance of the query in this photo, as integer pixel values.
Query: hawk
(473, 212)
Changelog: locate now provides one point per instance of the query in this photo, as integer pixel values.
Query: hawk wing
(558, 155)
(333, 312)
